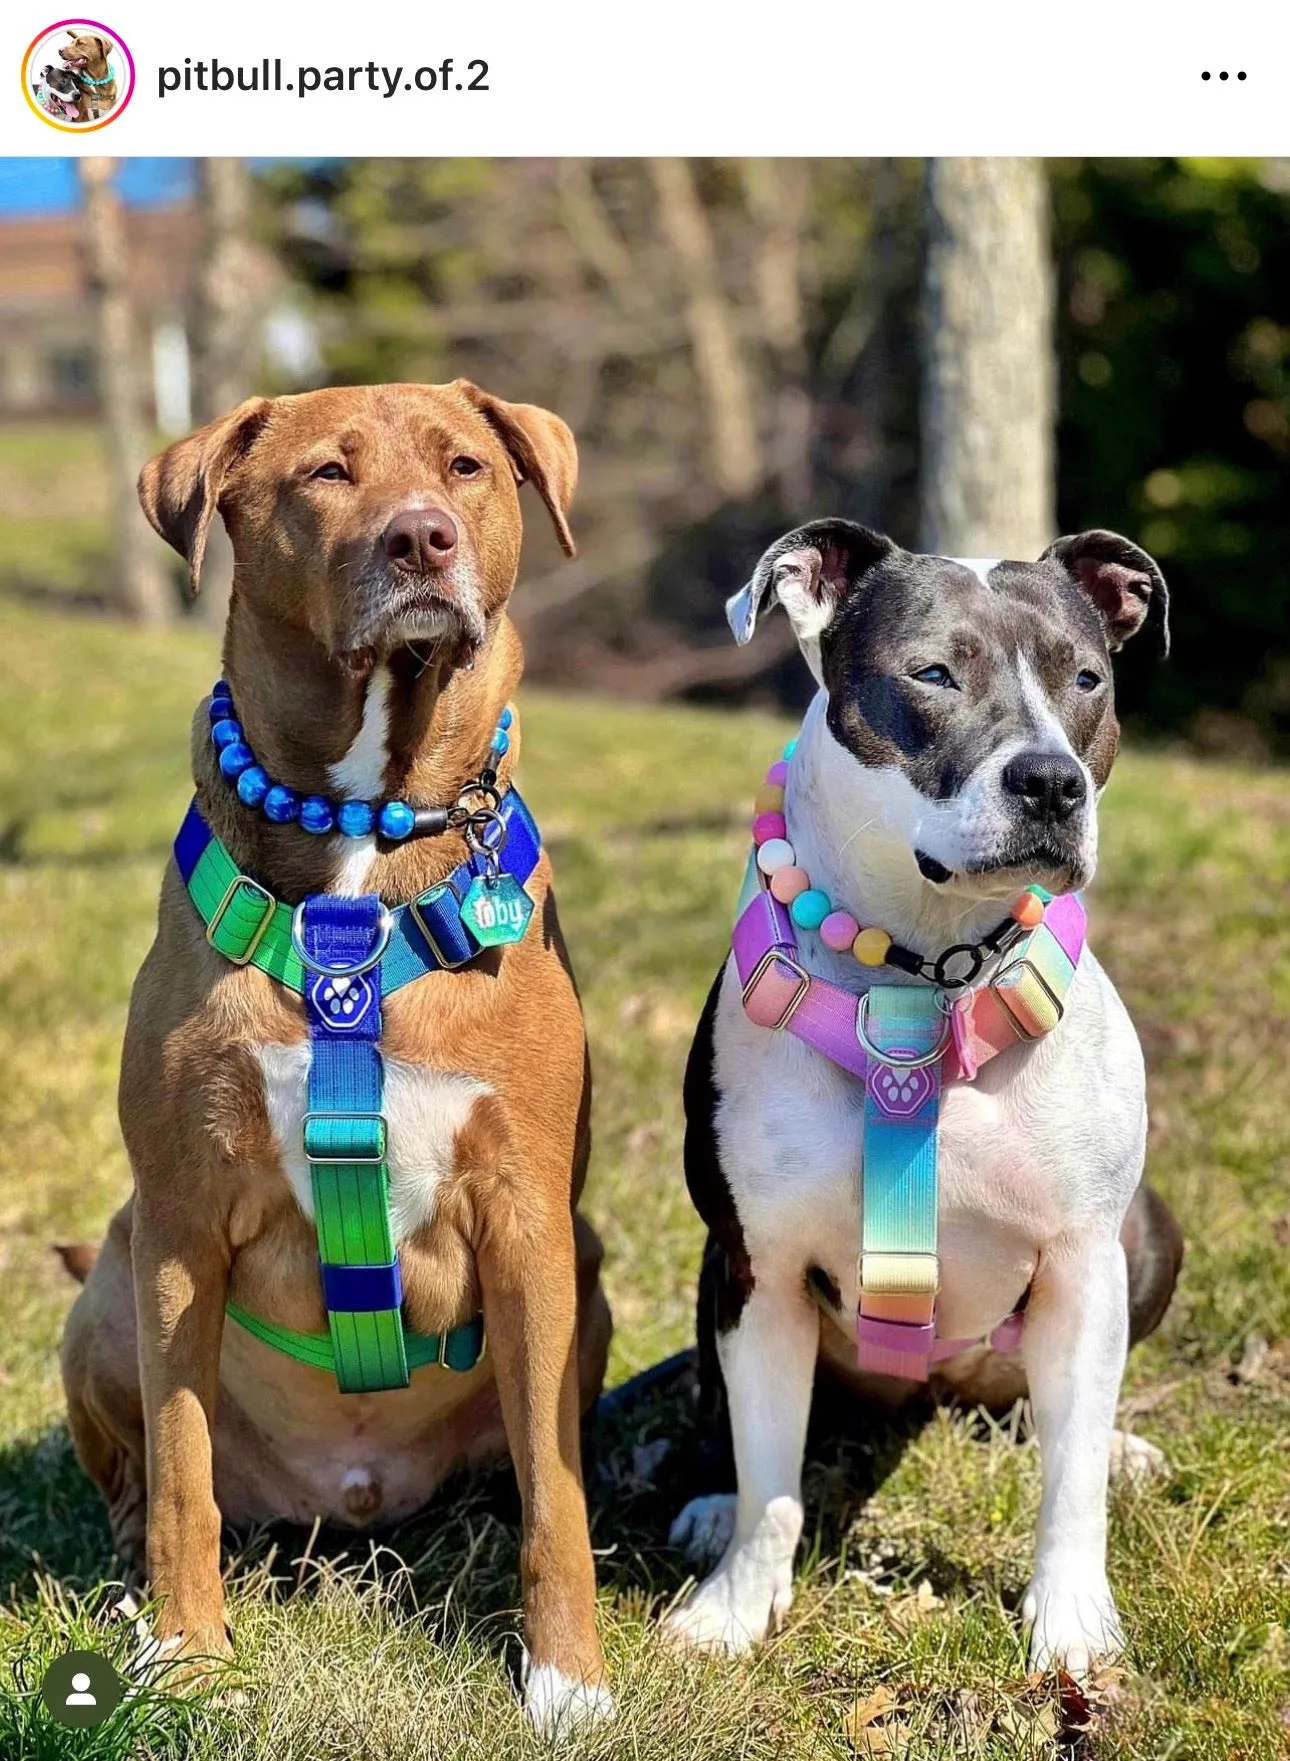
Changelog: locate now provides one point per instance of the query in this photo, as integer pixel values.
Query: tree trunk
(141, 586)
(988, 374)
(223, 325)
(777, 192)
(719, 361)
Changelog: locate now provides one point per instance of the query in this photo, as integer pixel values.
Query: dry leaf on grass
(870, 1727)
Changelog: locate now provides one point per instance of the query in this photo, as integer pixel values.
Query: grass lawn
(918, 1542)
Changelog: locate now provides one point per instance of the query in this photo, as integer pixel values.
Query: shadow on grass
(643, 1462)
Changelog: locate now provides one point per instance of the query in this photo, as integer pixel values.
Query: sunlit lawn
(349, 1655)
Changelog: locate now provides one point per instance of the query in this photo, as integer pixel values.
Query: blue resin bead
(219, 707)
(508, 717)
(501, 742)
(253, 785)
(226, 733)
(356, 818)
(234, 759)
(317, 814)
(396, 820)
(809, 909)
(281, 804)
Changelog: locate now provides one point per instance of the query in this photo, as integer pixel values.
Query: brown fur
(88, 54)
(179, 1419)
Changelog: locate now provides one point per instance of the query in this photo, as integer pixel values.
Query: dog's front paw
(1072, 1623)
(751, 1590)
(557, 1703)
(704, 1528)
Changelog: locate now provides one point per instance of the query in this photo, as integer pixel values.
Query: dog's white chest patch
(424, 1110)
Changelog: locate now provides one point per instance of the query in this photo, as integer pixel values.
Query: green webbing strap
(460, 1350)
(244, 922)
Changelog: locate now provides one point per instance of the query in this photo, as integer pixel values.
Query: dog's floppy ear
(1123, 582)
(179, 490)
(811, 571)
(103, 46)
(542, 448)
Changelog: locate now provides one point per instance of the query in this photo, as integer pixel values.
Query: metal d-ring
(886, 1058)
(384, 929)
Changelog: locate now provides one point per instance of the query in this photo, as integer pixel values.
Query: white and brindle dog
(952, 756)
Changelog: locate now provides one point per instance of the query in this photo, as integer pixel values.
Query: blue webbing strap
(345, 1142)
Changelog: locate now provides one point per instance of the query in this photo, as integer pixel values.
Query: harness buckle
(427, 899)
(441, 1358)
(337, 1158)
(765, 1015)
(217, 917)
(384, 927)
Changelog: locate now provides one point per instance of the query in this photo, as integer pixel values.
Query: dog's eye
(1087, 680)
(466, 467)
(330, 473)
(936, 675)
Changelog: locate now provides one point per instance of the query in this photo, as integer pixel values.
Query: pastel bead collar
(393, 820)
(811, 908)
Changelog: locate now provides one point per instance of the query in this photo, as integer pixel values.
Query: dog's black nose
(420, 540)
(1050, 785)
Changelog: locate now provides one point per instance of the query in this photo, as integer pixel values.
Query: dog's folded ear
(542, 448)
(179, 490)
(811, 570)
(1123, 582)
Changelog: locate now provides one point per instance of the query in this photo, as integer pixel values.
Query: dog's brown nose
(420, 540)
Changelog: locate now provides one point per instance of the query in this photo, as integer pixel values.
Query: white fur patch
(424, 1110)
(979, 565)
(557, 1703)
(360, 776)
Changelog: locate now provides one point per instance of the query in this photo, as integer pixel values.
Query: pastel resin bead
(767, 826)
(253, 785)
(870, 946)
(395, 821)
(281, 804)
(810, 908)
(234, 759)
(769, 799)
(838, 931)
(356, 818)
(778, 773)
(775, 853)
(789, 750)
(787, 883)
(1028, 911)
(316, 815)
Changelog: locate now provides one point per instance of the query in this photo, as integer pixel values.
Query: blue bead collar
(393, 820)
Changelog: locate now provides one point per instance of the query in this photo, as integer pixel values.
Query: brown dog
(376, 535)
(87, 56)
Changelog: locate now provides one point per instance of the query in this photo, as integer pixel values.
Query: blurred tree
(222, 330)
(988, 370)
(140, 585)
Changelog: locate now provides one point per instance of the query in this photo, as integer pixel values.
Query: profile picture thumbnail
(78, 75)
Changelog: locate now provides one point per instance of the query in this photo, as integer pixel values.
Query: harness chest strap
(341, 955)
(903, 1044)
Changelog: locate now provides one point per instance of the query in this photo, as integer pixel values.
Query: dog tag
(497, 914)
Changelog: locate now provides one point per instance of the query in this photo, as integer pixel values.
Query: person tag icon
(81, 1689)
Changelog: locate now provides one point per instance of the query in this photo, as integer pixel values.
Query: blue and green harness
(344, 957)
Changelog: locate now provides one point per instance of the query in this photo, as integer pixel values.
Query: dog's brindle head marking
(983, 690)
(368, 517)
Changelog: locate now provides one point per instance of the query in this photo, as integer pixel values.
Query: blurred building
(47, 367)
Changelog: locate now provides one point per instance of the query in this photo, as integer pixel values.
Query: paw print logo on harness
(900, 1091)
(343, 1003)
